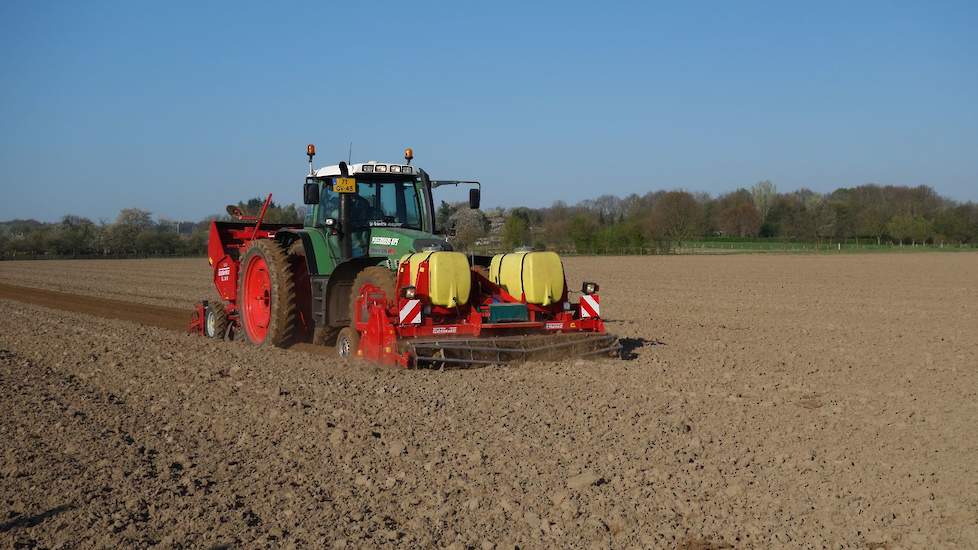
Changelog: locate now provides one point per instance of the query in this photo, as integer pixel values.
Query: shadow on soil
(630, 345)
(31, 521)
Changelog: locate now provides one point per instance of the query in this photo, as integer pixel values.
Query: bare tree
(470, 226)
(677, 216)
(737, 215)
(763, 193)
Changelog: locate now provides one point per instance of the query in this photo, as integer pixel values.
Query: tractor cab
(375, 209)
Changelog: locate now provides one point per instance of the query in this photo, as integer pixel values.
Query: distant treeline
(661, 220)
(656, 221)
(134, 233)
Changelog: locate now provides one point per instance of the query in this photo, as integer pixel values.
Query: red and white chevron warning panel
(411, 312)
(590, 306)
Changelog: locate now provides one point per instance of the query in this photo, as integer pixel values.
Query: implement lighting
(589, 288)
(409, 292)
(380, 167)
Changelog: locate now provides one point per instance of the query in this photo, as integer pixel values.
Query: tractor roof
(369, 167)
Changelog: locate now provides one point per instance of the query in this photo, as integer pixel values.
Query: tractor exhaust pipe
(346, 233)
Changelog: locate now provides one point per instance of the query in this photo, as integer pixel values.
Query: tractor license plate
(345, 185)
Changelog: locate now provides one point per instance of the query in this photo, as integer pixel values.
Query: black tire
(303, 292)
(347, 343)
(281, 327)
(215, 321)
(380, 277)
(323, 336)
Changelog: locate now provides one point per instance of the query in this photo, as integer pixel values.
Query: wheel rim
(257, 299)
(210, 325)
(343, 346)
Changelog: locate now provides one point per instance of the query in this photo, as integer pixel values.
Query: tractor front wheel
(380, 278)
(266, 294)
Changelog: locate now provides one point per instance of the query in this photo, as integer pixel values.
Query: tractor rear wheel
(379, 277)
(266, 294)
(215, 321)
(347, 343)
(303, 291)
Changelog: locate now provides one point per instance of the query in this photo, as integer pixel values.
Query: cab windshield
(377, 203)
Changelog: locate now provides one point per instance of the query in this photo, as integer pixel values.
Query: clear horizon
(182, 108)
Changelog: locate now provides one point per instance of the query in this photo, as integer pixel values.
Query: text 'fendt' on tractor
(368, 271)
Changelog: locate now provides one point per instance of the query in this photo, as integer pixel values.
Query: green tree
(76, 235)
(582, 231)
(921, 230)
(444, 215)
(129, 224)
(516, 232)
(901, 227)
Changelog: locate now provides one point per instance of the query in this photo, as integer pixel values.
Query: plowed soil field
(769, 402)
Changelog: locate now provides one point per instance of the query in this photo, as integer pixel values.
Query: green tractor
(368, 271)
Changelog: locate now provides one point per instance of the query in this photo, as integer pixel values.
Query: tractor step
(510, 349)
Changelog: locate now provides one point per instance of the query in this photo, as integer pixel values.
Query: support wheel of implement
(380, 278)
(266, 294)
(215, 321)
(347, 343)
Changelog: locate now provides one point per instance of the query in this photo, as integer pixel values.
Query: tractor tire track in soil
(143, 314)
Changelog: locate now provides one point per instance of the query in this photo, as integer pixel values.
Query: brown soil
(155, 316)
(772, 402)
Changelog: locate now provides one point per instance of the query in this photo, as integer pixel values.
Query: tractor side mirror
(474, 197)
(310, 193)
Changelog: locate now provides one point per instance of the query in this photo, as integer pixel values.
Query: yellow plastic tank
(450, 280)
(539, 275)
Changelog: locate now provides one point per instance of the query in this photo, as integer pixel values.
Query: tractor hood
(396, 242)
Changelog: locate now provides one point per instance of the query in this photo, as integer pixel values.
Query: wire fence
(746, 247)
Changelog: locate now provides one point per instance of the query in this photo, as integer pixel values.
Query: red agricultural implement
(411, 331)
(226, 244)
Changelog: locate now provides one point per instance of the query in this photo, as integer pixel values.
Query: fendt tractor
(369, 272)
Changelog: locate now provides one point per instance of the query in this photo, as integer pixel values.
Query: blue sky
(181, 108)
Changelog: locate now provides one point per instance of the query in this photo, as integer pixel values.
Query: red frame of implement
(226, 244)
(378, 316)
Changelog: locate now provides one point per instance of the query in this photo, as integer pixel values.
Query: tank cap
(524, 249)
(432, 248)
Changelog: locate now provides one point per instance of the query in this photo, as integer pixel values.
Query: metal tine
(511, 350)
